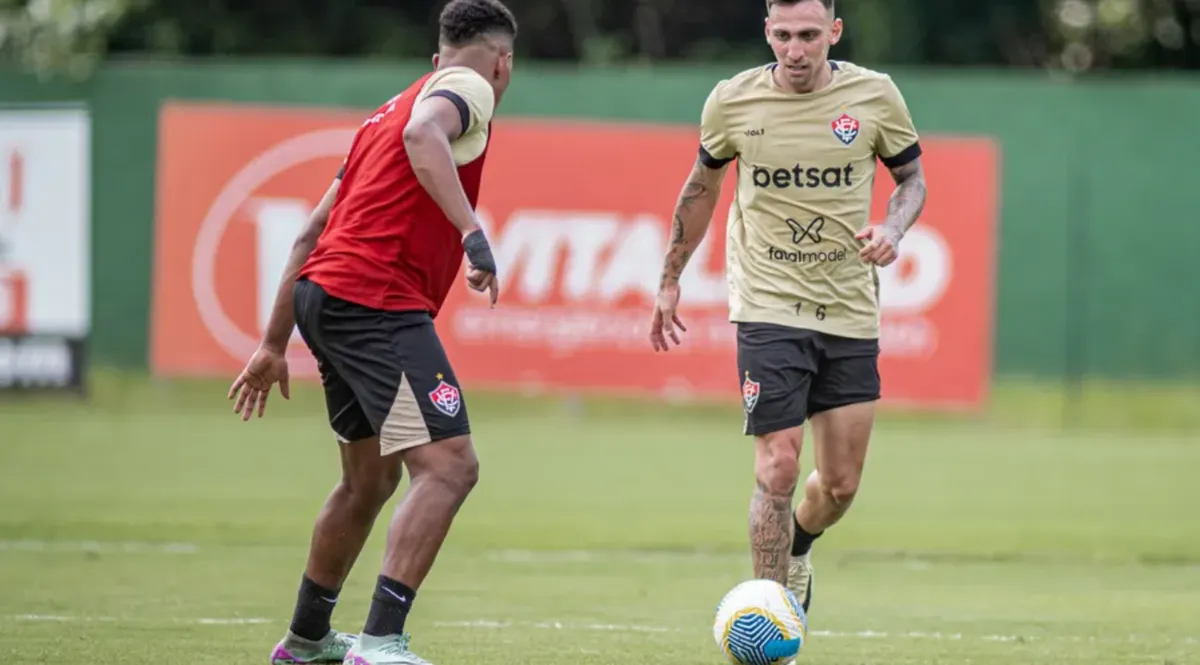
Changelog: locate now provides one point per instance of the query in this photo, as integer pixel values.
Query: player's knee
(368, 480)
(466, 474)
(840, 490)
(453, 465)
(777, 463)
(369, 492)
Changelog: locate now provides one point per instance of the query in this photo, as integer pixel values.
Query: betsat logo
(832, 177)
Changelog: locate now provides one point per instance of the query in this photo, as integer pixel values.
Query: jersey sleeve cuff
(903, 157)
(711, 162)
(464, 111)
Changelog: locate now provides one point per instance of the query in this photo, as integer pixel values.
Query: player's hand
(250, 389)
(481, 281)
(482, 273)
(665, 318)
(882, 248)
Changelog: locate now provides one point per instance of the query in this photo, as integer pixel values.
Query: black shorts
(385, 373)
(789, 374)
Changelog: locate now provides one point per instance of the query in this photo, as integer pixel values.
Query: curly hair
(463, 21)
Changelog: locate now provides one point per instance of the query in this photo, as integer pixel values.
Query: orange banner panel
(14, 302)
(578, 215)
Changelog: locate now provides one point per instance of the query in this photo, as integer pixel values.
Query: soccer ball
(759, 622)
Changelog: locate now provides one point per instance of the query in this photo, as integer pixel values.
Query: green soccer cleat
(800, 579)
(295, 650)
(390, 650)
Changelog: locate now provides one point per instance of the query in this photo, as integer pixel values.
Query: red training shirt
(387, 245)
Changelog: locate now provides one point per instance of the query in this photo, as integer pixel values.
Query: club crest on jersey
(750, 392)
(845, 129)
(446, 398)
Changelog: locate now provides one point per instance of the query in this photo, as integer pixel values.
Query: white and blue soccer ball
(760, 622)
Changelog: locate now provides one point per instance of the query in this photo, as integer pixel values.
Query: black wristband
(479, 252)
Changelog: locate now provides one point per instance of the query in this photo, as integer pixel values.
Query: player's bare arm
(907, 202)
(283, 317)
(268, 365)
(435, 122)
(693, 212)
(904, 208)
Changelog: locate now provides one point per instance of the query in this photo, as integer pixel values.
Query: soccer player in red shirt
(364, 283)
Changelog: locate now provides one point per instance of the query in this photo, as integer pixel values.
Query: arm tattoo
(907, 202)
(690, 221)
(771, 533)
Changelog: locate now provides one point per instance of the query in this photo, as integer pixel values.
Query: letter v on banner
(578, 267)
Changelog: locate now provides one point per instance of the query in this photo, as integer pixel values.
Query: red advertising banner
(578, 215)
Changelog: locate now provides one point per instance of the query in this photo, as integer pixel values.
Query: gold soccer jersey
(805, 170)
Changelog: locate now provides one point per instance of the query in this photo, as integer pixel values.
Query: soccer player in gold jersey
(802, 257)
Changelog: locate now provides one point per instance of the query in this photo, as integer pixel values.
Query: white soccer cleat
(390, 650)
(295, 650)
(800, 579)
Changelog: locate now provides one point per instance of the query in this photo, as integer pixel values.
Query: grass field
(150, 526)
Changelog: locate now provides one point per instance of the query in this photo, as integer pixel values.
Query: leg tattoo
(771, 533)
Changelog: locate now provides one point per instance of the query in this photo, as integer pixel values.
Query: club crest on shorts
(750, 392)
(845, 129)
(446, 398)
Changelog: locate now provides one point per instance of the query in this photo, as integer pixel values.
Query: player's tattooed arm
(283, 317)
(907, 202)
(693, 212)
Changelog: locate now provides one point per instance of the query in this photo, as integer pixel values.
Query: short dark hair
(788, 3)
(463, 21)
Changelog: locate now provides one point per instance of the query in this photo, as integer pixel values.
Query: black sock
(389, 608)
(803, 540)
(314, 606)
